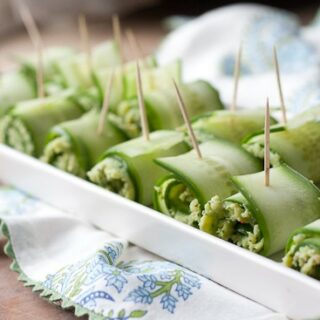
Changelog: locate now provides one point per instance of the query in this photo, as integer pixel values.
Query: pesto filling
(112, 174)
(307, 260)
(15, 134)
(127, 118)
(232, 222)
(257, 150)
(60, 154)
(174, 199)
(304, 258)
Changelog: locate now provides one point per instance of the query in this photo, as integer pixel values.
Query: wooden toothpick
(236, 76)
(142, 108)
(36, 40)
(118, 36)
(277, 68)
(135, 46)
(186, 119)
(106, 104)
(85, 42)
(267, 146)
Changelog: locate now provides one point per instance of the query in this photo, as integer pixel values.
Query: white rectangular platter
(256, 277)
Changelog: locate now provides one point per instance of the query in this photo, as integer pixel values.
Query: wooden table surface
(16, 301)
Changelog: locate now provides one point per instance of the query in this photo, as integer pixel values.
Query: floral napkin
(77, 266)
(208, 46)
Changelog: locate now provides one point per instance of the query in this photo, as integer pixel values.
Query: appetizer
(297, 146)
(191, 182)
(232, 126)
(261, 218)
(162, 107)
(75, 146)
(26, 126)
(128, 168)
(53, 80)
(75, 71)
(14, 87)
(303, 250)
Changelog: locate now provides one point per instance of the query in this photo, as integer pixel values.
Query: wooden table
(16, 301)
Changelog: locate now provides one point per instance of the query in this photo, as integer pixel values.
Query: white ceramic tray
(256, 277)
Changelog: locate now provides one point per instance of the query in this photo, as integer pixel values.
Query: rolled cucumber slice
(75, 146)
(303, 250)
(128, 168)
(229, 125)
(119, 87)
(192, 182)
(162, 107)
(26, 126)
(296, 146)
(153, 78)
(261, 218)
(14, 87)
(74, 70)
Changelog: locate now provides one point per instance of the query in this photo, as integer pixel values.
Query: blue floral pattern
(106, 285)
(263, 32)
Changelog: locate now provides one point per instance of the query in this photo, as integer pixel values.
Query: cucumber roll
(121, 87)
(296, 146)
(53, 81)
(153, 77)
(192, 182)
(26, 126)
(232, 126)
(261, 218)
(128, 168)
(163, 109)
(14, 87)
(303, 250)
(75, 147)
(74, 70)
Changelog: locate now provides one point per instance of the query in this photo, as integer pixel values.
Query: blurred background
(58, 19)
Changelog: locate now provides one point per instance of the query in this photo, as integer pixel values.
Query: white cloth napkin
(208, 45)
(105, 277)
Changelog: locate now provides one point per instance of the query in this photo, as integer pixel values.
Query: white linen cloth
(106, 277)
(208, 45)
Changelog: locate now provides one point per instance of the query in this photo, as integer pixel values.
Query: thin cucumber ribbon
(75, 146)
(75, 70)
(53, 80)
(15, 86)
(124, 79)
(26, 126)
(21, 85)
(297, 146)
(153, 77)
(232, 126)
(162, 107)
(303, 250)
(192, 182)
(261, 218)
(129, 169)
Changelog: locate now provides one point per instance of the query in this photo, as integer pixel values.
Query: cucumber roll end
(111, 173)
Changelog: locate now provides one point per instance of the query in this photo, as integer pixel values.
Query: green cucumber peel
(139, 155)
(291, 189)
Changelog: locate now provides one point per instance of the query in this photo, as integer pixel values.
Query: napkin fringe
(47, 294)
